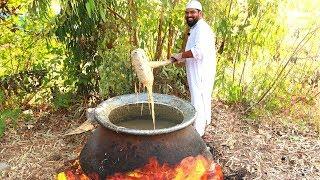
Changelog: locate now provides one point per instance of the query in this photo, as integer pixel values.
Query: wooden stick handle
(155, 64)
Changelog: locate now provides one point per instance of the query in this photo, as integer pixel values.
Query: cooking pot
(116, 149)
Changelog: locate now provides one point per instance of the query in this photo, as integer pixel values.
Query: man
(200, 58)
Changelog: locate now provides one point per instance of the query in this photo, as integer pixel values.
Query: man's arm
(187, 54)
(180, 57)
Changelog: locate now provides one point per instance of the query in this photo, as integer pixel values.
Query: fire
(189, 168)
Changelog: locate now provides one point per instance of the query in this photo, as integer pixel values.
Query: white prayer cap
(194, 4)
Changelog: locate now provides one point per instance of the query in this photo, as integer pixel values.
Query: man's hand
(177, 57)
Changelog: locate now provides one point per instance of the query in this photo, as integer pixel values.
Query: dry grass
(270, 150)
(38, 151)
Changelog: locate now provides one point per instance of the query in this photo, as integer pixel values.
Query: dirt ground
(245, 149)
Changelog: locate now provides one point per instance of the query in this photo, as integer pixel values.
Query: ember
(189, 168)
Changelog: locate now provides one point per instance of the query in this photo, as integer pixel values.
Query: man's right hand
(177, 57)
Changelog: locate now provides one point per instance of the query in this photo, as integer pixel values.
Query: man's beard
(192, 23)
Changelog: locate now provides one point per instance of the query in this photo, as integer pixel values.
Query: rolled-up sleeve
(197, 54)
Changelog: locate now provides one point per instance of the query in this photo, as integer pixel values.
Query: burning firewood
(190, 168)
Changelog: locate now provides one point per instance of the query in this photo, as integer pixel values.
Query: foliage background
(58, 53)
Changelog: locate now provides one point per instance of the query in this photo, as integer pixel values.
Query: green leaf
(88, 9)
(2, 126)
(102, 14)
(92, 6)
(2, 97)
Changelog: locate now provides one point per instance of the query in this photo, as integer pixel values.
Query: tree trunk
(133, 18)
(170, 40)
(185, 39)
(171, 33)
(159, 47)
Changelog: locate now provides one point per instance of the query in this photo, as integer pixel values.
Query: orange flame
(190, 168)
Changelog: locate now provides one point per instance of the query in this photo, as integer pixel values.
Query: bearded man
(200, 59)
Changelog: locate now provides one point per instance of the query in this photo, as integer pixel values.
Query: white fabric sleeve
(196, 51)
(199, 49)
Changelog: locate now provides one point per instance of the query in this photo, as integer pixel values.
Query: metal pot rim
(102, 112)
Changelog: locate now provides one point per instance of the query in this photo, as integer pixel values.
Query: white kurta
(201, 71)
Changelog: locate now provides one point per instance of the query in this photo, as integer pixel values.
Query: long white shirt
(201, 71)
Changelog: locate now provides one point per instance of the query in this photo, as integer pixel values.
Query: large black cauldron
(113, 149)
